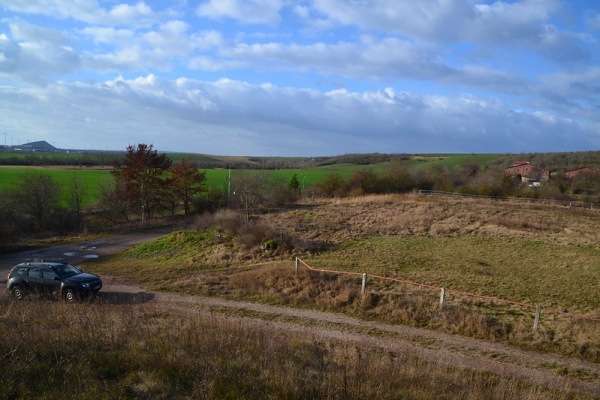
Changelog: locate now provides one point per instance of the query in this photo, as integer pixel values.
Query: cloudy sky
(302, 77)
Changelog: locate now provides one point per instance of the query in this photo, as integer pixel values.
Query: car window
(34, 273)
(22, 271)
(48, 274)
(66, 270)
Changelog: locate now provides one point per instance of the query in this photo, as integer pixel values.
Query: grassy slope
(141, 352)
(476, 246)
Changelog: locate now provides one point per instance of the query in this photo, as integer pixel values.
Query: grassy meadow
(92, 178)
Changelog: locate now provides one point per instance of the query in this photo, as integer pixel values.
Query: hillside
(219, 301)
(42, 153)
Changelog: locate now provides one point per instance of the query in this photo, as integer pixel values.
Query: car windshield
(66, 270)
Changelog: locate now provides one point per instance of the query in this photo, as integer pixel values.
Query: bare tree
(75, 198)
(38, 196)
(114, 202)
(249, 189)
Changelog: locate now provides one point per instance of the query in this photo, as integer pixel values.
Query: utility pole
(228, 186)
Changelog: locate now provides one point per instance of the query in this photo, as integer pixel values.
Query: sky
(302, 77)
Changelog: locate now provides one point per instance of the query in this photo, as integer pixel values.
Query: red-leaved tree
(144, 175)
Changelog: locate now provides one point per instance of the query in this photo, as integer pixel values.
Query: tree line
(469, 178)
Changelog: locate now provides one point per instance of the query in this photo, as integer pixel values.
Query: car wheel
(17, 292)
(70, 296)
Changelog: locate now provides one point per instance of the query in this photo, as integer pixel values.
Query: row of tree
(468, 179)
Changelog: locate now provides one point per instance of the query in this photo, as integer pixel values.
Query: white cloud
(592, 20)
(501, 23)
(233, 117)
(36, 54)
(245, 11)
(456, 74)
(89, 11)
(109, 35)
(130, 50)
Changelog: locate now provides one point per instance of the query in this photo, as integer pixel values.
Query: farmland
(93, 177)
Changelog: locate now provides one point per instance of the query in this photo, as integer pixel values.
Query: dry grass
(530, 253)
(418, 307)
(339, 220)
(107, 351)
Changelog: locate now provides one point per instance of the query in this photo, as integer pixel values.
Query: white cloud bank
(256, 77)
(233, 117)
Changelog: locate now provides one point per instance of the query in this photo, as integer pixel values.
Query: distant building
(528, 172)
(572, 173)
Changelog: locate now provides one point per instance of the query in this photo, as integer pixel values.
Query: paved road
(78, 252)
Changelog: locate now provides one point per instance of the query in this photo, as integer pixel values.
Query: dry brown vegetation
(526, 252)
(339, 220)
(542, 254)
(148, 352)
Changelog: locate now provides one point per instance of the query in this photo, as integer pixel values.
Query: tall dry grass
(53, 350)
(397, 304)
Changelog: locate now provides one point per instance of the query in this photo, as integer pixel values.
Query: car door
(34, 280)
(50, 281)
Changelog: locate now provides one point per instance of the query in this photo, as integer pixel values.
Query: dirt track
(435, 347)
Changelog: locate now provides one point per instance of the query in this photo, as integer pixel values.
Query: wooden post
(442, 297)
(296, 265)
(364, 284)
(536, 321)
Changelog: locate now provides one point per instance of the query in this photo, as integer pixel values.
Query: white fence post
(442, 297)
(296, 265)
(364, 283)
(536, 321)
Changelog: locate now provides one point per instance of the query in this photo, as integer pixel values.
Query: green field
(92, 178)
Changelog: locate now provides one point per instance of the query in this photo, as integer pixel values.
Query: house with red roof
(528, 172)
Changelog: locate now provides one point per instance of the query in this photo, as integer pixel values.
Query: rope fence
(445, 291)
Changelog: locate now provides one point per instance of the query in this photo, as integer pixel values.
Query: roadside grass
(107, 351)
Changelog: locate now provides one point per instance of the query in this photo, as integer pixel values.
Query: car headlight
(86, 285)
